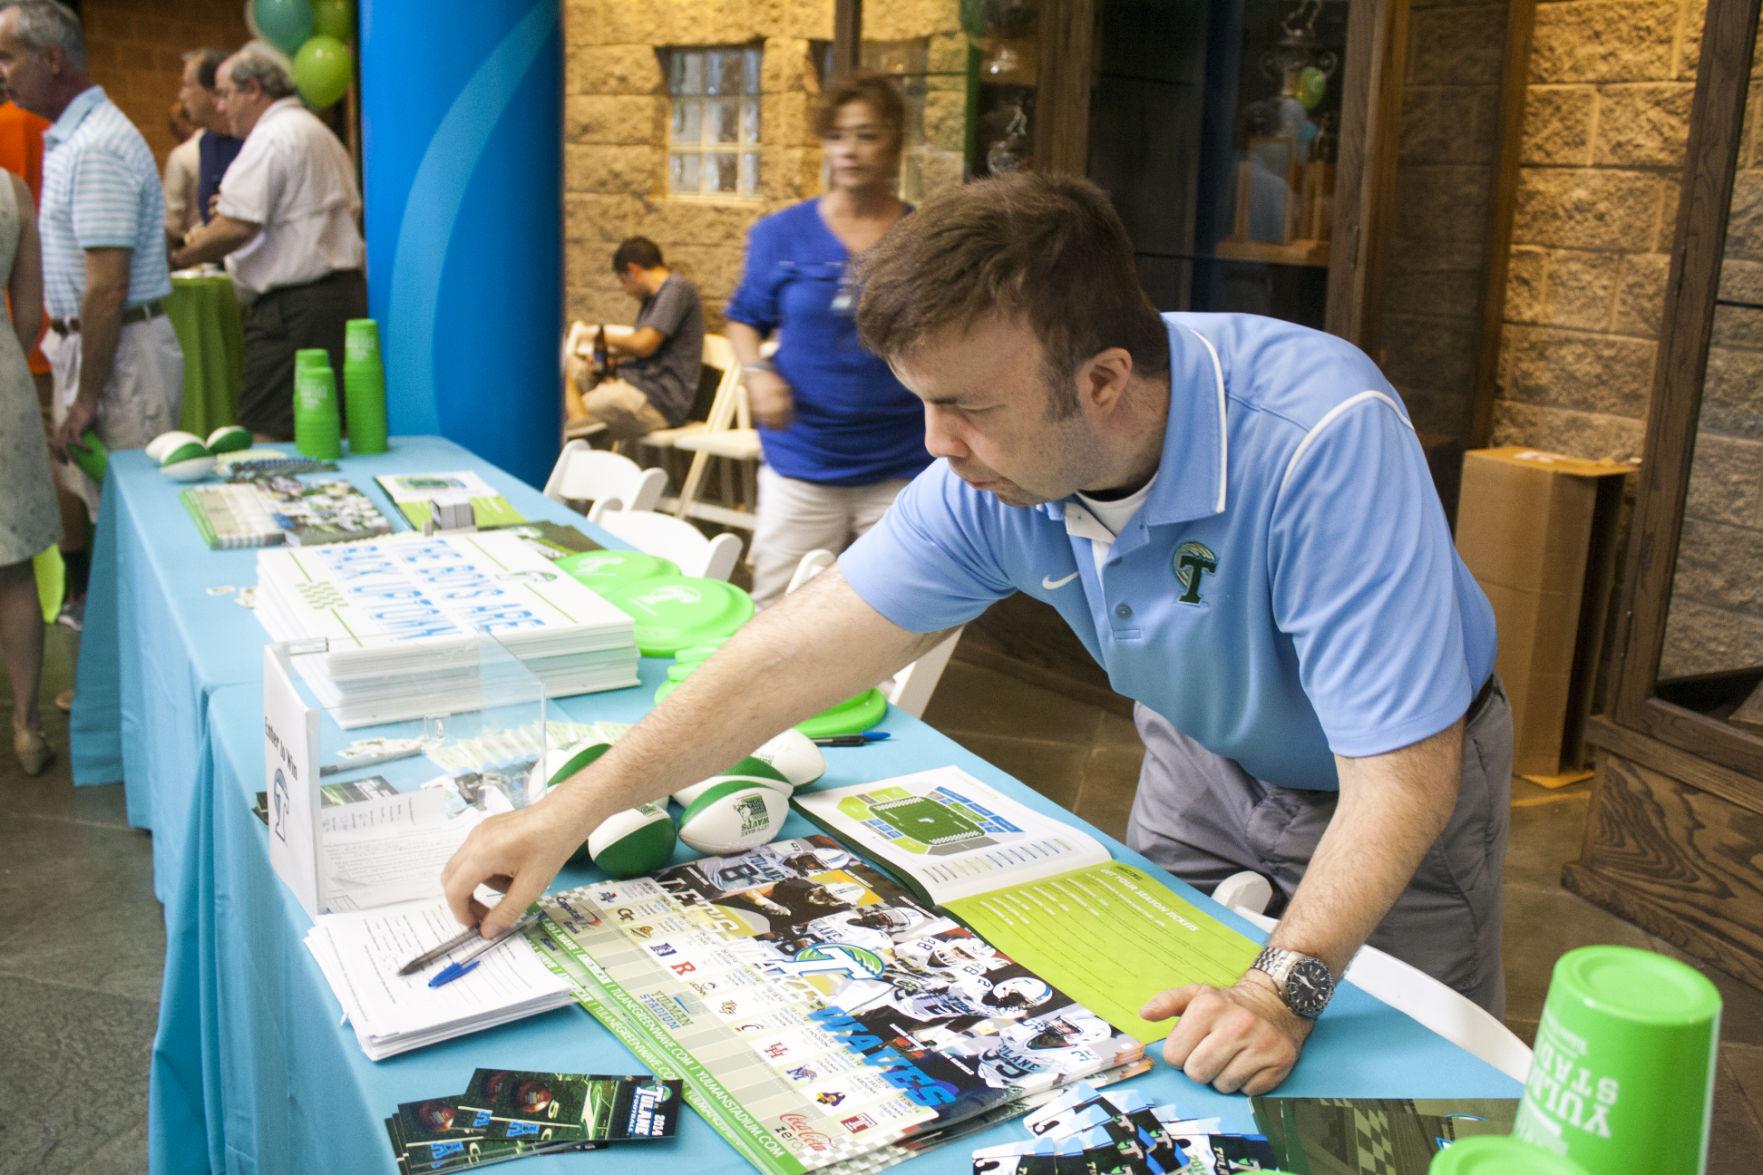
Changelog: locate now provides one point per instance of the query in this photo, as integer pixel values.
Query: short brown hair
(876, 90)
(1046, 249)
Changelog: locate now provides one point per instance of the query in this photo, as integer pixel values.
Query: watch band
(1305, 983)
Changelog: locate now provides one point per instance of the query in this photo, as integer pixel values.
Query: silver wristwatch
(1305, 984)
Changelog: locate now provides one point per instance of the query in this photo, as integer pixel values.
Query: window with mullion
(713, 122)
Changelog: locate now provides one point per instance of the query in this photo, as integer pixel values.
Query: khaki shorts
(623, 408)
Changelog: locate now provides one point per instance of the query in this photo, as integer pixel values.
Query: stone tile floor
(81, 943)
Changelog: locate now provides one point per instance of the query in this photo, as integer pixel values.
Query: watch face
(1308, 988)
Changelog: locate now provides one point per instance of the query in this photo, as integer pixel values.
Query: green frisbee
(607, 571)
(679, 611)
(851, 716)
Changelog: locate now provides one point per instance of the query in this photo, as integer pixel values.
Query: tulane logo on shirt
(1192, 563)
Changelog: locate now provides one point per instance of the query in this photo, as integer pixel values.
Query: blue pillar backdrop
(462, 129)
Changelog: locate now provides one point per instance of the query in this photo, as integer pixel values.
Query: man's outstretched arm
(817, 646)
(1392, 808)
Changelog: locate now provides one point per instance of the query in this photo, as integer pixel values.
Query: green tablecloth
(205, 315)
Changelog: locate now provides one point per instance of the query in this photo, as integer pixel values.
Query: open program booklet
(1042, 891)
(819, 1018)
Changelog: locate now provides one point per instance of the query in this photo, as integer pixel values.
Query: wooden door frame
(1716, 126)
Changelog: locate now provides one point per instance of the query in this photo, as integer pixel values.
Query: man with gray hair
(116, 361)
(286, 225)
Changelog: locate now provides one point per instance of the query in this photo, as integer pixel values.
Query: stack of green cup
(364, 386)
(318, 429)
(1623, 1076)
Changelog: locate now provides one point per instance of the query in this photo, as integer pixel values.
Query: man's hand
(80, 416)
(1235, 1039)
(516, 852)
(770, 398)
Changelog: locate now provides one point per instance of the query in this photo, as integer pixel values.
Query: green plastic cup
(364, 394)
(94, 459)
(1496, 1154)
(311, 357)
(1623, 1073)
(317, 427)
(361, 340)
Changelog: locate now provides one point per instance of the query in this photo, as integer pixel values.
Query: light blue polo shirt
(1289, 589)
(101, 189)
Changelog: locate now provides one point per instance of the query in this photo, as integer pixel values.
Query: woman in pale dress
(29, 519)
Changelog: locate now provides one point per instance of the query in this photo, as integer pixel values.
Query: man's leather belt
(141, 313)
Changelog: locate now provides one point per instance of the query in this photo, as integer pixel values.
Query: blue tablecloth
(158, 643)
(251, 1069)
(296, 1084)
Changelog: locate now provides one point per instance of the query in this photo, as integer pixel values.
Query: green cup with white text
(1622, 1078)
(318, 427)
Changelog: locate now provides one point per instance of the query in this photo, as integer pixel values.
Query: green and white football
(165, 442)
(793, 755)
(633, 842)
(229, 438)
(734, 816)
(558, 766)
(189, 468)
(748, 770)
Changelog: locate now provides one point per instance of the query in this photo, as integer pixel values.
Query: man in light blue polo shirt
(1235, 516)
(117, 365)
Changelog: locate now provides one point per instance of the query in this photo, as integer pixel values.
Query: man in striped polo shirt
(117, 365)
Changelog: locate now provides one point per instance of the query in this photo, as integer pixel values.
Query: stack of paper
(402, 617)
(360, 954)
(271, 511)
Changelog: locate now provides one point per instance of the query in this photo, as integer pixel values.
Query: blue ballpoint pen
(465, 965)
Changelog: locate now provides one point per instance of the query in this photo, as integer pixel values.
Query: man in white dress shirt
(286, 223)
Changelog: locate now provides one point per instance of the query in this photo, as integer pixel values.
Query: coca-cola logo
(796, 1125)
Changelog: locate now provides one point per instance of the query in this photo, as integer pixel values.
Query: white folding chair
(1405, 988)
(911, 688)
(604, 479)
(736, 447)
(675, 539)
(718, 357)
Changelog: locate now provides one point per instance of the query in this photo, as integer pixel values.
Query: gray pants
(1203, 818)
(283, 321)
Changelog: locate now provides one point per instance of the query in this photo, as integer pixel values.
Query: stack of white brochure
(402, 618)
(360, 954)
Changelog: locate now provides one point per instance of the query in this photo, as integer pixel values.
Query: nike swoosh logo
(1052, 584)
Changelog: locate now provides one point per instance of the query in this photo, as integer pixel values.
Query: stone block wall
(1606, 122)
(1716, 618)
(135, 51)
(1436, 258)
(1606, 125)
(615, 131)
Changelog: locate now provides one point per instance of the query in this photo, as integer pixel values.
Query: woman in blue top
(841, 436)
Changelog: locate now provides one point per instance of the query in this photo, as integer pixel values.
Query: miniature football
(558, 766)
(189, 468)
(165, 442)
(183, 451)
(793, 755)
(228, 438)
(633, 842)
(734, 816)
(746, 771)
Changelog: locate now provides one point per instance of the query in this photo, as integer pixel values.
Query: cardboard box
(1537, 530)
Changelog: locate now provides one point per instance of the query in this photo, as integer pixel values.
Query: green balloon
(322, 70)
(333, 18)
(285, 23)
(1312, 85)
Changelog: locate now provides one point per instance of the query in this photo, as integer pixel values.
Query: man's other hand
(518, 853)
(80, 416)
(1239, 1039)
